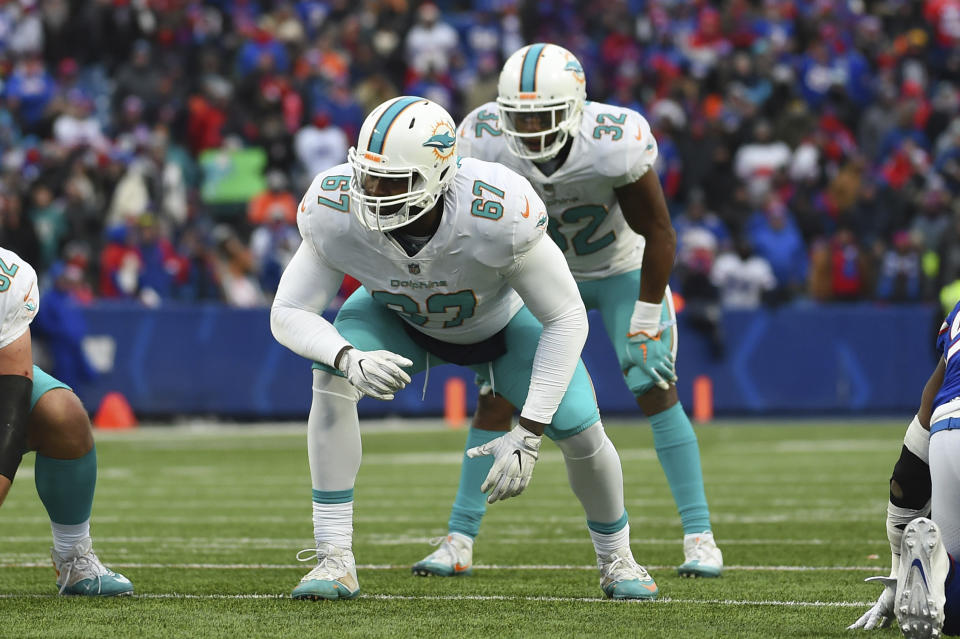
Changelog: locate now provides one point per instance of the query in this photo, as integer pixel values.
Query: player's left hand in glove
(646, 349)
(881, 614)
(514, 456)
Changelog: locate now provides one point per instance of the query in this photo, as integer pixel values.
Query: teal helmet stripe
(383, 124)
(528, 74)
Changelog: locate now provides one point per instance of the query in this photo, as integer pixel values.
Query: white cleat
(924, 565)
(621, 577)
(701, 557)
(453, 558)
(80, 572)
(334, 576)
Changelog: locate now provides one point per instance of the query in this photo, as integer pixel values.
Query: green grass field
(206, 523)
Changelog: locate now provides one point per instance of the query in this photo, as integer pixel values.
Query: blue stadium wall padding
(798, 359)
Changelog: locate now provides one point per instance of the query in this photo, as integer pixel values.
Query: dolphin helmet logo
(442, 141)
(574, 67)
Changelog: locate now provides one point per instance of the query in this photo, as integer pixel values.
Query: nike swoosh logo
(27, 296)
(919, 566)
(639, 135)
(519, 463)
(303, 207)
(526, 212)
(651, 588)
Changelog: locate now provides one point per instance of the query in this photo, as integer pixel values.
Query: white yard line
(532, 567)
(531, 599)
(797, 516)
(401, 540)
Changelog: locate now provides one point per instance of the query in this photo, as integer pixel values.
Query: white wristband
(646, 317)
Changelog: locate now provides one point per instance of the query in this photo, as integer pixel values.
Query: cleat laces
(85, 565)
(624, 568)
(331, 566)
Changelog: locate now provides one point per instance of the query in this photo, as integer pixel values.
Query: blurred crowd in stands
(156, 150)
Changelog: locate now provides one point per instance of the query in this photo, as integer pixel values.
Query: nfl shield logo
(414, 268)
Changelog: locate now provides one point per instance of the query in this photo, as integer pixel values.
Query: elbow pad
(15, 393)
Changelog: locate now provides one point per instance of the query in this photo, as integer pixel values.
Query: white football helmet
(542, 80)
(406, 138)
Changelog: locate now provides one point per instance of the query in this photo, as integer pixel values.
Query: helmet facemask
(538, 131)
(404, 160)
(388, 198)
(545, 83)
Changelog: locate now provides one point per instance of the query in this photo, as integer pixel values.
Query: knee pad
(334, 406)
(336, 385)
(584, 444)
(14, 413)
(910, 483)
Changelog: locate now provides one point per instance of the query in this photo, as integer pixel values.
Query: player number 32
(7, 271)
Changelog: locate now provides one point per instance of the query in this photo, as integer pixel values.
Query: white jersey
(613, 147)
(19, 296)
(454, 289)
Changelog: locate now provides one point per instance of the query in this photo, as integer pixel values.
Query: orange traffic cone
(114, 412)
(702, 399)
(455, 402)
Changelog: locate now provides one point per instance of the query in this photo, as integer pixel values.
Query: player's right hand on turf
(881, 614)
(514, 455)
(375, 373)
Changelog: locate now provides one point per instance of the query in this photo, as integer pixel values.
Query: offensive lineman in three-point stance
(455, 268)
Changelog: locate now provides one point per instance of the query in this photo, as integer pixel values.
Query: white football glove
(375, 373)
(881, 614)
(514, 456)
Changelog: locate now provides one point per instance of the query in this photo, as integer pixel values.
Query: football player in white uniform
(455, 268)
(38, 412)
(592, 165)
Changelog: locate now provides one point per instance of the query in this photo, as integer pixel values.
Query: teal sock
(66, 486)
(679, 455)
(471, 504)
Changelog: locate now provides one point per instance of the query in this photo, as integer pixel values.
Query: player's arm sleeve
(305, 290)
(546, 286)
